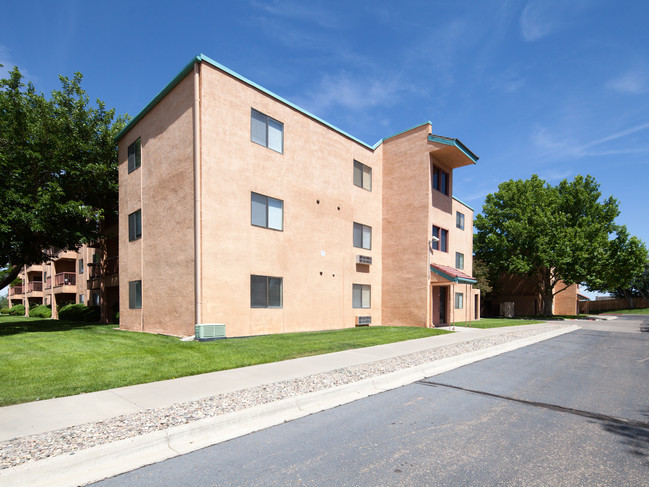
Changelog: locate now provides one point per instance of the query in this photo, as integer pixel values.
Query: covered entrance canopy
(451, 295)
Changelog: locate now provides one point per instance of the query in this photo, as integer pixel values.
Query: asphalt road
(573, 410)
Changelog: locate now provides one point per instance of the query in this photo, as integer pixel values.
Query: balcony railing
(48, 282)
(15, 290)
(65, 279)
(34, 286)
(112, 265)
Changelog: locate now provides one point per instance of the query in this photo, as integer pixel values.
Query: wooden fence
(586, 307)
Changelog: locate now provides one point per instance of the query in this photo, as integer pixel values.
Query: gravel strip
(74, 438)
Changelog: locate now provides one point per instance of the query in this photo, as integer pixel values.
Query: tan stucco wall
(162, 188)
(406, 206)
(314, 253)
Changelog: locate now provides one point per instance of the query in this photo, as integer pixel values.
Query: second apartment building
(238, 207)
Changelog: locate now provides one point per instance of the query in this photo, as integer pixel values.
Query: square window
(361, 296)
(459, 260)
(266, 212)
(362, 236)
(266, 292)
(134, 156)
(459, 300)
(266, 131)
(135, 295)
(135, 225)
(362, 176)
(459, 220)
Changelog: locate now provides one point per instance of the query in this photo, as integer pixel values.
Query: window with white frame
(266, 292)
(459, 260)
(362, 236)
(361, 296)
(266, 131)
(459, 220)
(459, 300)
(362, 176)
(266, 212)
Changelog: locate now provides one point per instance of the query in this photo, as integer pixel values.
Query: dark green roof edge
(455, 143)
(462, 202)
(458, 280)
(171, 85)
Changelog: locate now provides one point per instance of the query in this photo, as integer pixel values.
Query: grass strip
(42, 359)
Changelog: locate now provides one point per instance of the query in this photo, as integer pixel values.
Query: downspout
(197, 197)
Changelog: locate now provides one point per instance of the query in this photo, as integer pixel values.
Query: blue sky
(556, 87)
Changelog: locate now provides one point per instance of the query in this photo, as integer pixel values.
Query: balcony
(65, 282)
(15, 291)
(34, 286)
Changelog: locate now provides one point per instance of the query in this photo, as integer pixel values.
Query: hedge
(18, 310)
(40, 311)
(80, 312)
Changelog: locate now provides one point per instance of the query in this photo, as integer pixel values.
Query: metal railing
(65, 279)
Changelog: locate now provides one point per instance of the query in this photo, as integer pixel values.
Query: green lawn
(636, 311)
(41, 359)
(498, 322)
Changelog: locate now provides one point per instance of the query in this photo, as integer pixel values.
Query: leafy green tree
(58, 159)
(637, 288)
(550, 234)
(4, 301)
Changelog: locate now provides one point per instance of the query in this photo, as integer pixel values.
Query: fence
(611, 305)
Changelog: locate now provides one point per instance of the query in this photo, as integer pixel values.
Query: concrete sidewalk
(110, 459)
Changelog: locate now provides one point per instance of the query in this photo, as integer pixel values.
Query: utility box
(507, 309)
(209, 331)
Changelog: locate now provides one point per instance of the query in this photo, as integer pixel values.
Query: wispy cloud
(303, 11)
(540, 18)
(633, 82)
(8, 64)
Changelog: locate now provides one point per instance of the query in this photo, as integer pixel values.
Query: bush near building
(80, 312)
(40, 311)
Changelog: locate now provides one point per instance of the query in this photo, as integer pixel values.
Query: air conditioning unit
(209, 331)
(363, 320)
(364, 259)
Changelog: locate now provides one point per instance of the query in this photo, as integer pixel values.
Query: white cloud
(304, 11)
(8, 64)
(541, 18)
(633, 82)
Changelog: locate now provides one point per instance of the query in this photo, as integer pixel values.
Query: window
(134, 156)
(135, 295)
(266, 131)
(459, 300)
(442, 236)
(81, 298)
(440, 180)
(266, 212)
(362, 176)
(95, 299)
(362, 236)
(135, 225)
(459, 220)
(80, 266)
(265, 292)
(361, 296)
(459, 260)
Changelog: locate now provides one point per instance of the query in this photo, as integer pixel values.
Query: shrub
(18, 310)
(79, 312)
(4, 311)
(40, 311)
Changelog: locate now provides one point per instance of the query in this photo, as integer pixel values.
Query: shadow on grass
(13, 325)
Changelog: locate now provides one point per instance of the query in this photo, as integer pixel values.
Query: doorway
(442, 304)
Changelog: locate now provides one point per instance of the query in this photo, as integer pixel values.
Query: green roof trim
(455, 279)
(462, 202)
(454, 143)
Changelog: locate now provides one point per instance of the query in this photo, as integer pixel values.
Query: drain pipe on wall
(198, 302)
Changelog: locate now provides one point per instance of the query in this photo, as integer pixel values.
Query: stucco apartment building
(238, 207)
(87, 275)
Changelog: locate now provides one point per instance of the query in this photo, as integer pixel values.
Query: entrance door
(442, 304)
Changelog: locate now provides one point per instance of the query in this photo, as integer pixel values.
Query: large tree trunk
(10, 277)
(547, 300)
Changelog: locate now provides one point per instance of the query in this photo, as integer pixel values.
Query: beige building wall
(313, 253)
(163, 258)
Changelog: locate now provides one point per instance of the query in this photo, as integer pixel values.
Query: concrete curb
(103, 461)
